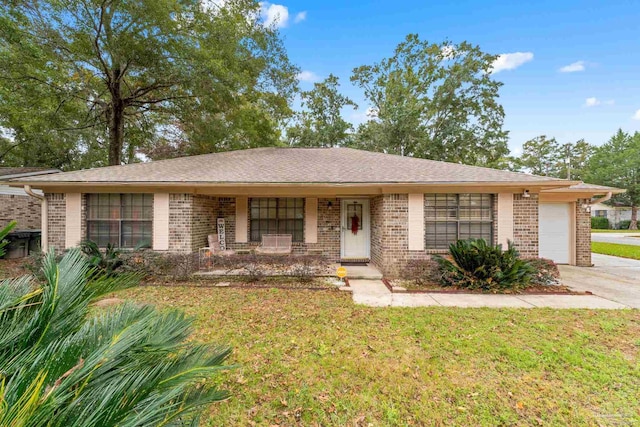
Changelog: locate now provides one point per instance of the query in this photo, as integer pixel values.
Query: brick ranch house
(343, 203)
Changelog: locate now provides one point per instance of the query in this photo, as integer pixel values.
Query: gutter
(44, 237)
(602, 199)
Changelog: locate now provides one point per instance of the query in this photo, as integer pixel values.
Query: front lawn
(313, 358)
(593, 230)
(624, 251)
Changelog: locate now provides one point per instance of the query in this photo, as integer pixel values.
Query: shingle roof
(6, 172)
(589, 188)
(294, 165)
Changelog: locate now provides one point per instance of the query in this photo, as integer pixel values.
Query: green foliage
(63, 363)
(599, 223)
(3, 233)
(435, 101)
(477, 265)
(545, 156)
(105, 261)
(617, 164)
(109, 79)
(624, 224)
(321, 124)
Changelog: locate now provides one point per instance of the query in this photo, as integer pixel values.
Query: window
(277, 216)
(601, 213)
(124, 220)
(451, 217)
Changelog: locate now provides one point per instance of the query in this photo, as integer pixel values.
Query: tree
(541, 156)
(436, 101)
(321, 123)
(617, 164)
(112, 75)
(65, 362)
(545, 156)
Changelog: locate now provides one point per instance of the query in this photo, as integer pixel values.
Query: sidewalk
(375, 294)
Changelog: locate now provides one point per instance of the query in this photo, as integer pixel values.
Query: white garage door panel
(555, 231)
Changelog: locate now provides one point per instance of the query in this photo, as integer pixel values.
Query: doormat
(354, 262)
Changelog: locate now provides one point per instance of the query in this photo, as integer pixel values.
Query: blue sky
(598, 40)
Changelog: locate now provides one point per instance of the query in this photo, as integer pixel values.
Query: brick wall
(24, 209)
(56, 220)
(583, 234)
(203, 221)
(525, 224)
(180, 214)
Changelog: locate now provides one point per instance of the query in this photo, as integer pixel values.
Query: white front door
(554, 232)
(355, 228)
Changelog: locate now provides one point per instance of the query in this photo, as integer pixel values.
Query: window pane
(440, 234)
(136, 233)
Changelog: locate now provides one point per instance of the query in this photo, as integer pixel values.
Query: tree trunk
(115, 117)
(634, 218)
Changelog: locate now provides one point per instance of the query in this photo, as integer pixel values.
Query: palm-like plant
(3, 233)
(64, 362)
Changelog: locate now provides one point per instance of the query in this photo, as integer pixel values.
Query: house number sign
(222, 238)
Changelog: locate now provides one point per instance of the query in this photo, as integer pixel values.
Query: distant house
(17, 205)
(346, 204)
(614, 213)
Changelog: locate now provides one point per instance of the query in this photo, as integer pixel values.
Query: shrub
(478, 265)
(173, 266)
(3, 233)
(107, 261)
(546, 272)
(599, 223)
(624, 224)
(64, 362)
(423, 271)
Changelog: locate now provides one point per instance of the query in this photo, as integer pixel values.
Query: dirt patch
(241, 282)
(13, 268)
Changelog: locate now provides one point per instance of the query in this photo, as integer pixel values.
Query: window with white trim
(452, 217)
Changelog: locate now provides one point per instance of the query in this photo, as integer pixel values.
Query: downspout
(601, 200)
(44, 238)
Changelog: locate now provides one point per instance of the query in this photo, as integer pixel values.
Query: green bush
(65, 362)
(477, 265)
(599, 223)
(624, 224)
(3, 233)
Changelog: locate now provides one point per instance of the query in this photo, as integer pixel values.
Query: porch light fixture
(330, 204)
(526, 194)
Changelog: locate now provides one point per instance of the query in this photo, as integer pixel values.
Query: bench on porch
(275, 244)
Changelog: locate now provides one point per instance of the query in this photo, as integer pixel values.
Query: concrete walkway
(375, 294)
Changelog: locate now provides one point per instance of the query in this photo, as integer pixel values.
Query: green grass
(312, 358)
(624, 251)
(614, 231)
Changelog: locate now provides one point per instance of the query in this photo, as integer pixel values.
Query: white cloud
(574, 67)
(510, 61)
(636, 116)
(301, 16)
(591, 102)
(274, 14)
(307, 76)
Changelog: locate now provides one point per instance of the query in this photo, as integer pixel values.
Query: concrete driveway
(620, 238)
(616, 279)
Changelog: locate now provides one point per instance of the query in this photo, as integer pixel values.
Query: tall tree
(617, 164)
(575, 158)
(436, 101)
(114, 74)
(320, 123)
(541, 156)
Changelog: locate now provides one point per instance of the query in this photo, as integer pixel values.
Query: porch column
(161, 222)
(311, 220)
(242, 207)
(73, 220)
(505, 219)
(416, 222)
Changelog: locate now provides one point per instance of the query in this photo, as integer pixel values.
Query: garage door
(555, 231)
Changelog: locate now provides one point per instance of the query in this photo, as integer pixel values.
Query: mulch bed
(10, 268)
(237, 282)
(434, 288)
